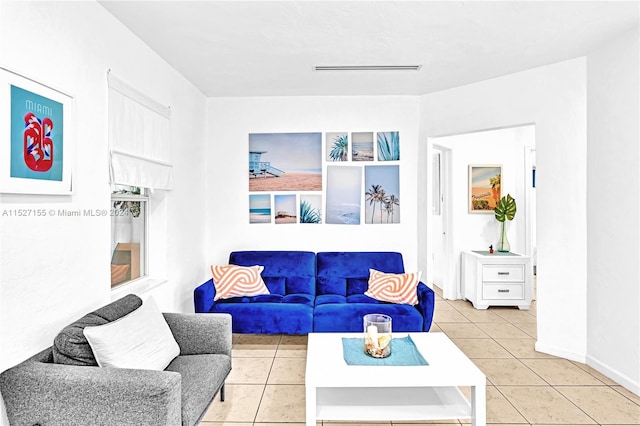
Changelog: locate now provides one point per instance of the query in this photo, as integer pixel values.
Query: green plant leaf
(308, 214)
(339, 149)
(505, 208)
(389, 148)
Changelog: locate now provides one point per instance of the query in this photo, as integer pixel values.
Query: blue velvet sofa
(315, 292)
(290, 277)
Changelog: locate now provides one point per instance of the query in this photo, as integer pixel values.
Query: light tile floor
(266, 385)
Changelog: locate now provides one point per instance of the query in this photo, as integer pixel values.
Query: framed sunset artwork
(484, 187)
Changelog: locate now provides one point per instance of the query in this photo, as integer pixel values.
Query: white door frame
(529, 165)
(450, 288)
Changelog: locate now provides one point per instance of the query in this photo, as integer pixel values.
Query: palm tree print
(382, 200)
(373, 197)
(389, 206)
(376, 195)
(382, 190)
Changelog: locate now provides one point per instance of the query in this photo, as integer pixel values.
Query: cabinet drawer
(507, 273)
(494, 291)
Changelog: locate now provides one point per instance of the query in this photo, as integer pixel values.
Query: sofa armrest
(201, 333)
(203, 296)
(426, 305)
(49, 394)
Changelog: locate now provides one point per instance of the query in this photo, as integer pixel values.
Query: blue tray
(403, 352)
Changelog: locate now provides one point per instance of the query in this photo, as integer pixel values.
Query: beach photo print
(362, 146)
(285, 207)
(285, 162)
(344, 186)
(260, 208)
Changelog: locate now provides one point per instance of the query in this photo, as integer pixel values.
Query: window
(139, 136)
(129, 227)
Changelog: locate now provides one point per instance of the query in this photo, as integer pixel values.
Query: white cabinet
(498, 279)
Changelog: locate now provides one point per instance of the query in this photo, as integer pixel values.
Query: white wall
(230, 122)
(554, 99)
(613, 228)
(55, 269)
(476, 231)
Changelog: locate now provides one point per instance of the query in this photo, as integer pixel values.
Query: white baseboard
(615, 375)
(612, 373)
(559, 352)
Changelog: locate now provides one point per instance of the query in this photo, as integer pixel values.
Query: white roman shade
(139, 138)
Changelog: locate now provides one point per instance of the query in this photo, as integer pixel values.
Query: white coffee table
(337, 391)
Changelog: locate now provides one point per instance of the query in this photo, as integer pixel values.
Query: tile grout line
(495, 386)
(537, 375)
(620, 393)
(522, 348)
(266, 382)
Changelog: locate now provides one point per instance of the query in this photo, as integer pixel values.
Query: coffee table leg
(479, 405)
(310, 398)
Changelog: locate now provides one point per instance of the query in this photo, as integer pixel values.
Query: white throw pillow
(140, 340)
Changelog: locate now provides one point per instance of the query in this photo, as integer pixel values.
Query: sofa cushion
(304, 299)
(330, 298)
(300, 285)
(139, 340)
(276, 285)
(357, 285)
(268, 318)
(234, 281)
(70, 346)
(242, 299)
(295, 270)
(266, 298)
(342, 272)
(202, 376)
(348, 317)
(362, 298)
(394, 288)
(331, 286)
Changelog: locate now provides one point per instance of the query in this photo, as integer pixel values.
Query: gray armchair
(39, 391)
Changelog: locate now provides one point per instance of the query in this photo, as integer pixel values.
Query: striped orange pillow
(235, 281)
(394, 288)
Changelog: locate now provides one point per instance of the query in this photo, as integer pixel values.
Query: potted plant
(128, 206)
(504, 210)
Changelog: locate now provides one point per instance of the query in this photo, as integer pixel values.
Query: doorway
(454, 228)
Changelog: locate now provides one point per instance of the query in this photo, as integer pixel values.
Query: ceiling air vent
(367, 67)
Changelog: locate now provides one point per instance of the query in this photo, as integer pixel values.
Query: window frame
(142, 197)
